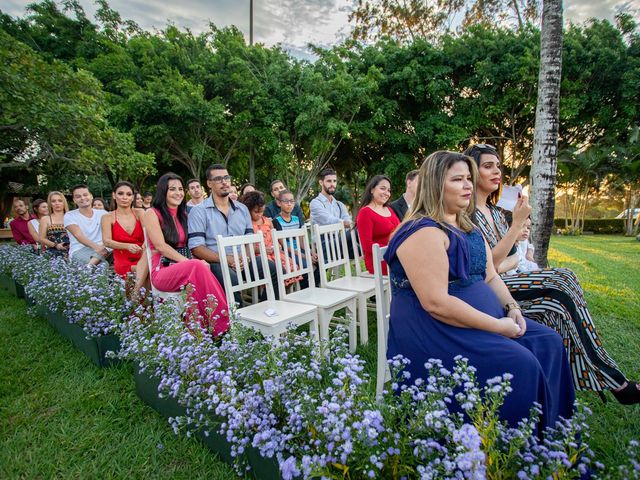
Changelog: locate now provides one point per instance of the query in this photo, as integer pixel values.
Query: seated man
(273, 208)
(403, 203)
(328, 210)
(83, 225)
(20, 224)
(219, 215)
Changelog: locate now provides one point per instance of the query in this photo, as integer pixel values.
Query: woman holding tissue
(551, 296)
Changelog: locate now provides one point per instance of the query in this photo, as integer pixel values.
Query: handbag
(184, 251)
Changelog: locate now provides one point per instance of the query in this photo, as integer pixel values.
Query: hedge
(597, 225)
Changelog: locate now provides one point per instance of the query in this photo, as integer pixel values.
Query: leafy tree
(53, 118)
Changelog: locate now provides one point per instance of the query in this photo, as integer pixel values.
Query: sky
(292, 23)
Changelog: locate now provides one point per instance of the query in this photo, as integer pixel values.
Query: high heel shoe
(628, 395)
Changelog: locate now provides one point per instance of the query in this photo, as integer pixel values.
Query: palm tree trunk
(545, 138)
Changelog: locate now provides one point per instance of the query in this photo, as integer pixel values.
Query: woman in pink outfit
(171, 265)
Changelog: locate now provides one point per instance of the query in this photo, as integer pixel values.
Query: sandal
(628, 395)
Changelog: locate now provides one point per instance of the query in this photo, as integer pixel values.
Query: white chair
(383, 301)
(271, 317)
(290, 264)
(331, 241)
(354, 238)
(156, 293)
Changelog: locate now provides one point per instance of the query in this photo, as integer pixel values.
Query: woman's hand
(516, 315)
(521, 212)
(133, 248)
(509, 328)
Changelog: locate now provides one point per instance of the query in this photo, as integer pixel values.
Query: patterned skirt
(554, 297)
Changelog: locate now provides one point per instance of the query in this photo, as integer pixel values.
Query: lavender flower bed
(82, 304)
(300, 409)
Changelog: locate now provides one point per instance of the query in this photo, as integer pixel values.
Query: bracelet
(511, 306)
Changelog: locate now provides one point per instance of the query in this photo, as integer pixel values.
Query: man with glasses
(219, 215)
(272, 209)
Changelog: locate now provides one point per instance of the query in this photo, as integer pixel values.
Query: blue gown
(537, 360)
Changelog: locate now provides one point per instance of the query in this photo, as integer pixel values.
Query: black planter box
(11, 286)
(93, 347)
(147, 390)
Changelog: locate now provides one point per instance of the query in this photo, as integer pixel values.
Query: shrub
(596, 225)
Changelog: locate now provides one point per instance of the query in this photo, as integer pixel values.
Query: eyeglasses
(220, 179)
(289, 202)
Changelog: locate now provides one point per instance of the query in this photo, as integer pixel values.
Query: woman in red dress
(122, 230)
(172, 267)
(375, 219)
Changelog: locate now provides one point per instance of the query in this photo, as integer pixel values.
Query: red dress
(374, 228)
(195, 273)
(123, 260)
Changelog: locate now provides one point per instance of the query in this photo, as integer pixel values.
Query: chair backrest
(331, 244)
(383, 297)
(292, 256)
(354, 237)
(147, 250)
(243, 249)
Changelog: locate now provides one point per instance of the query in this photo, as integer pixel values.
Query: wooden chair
(383, 303)
(332, 254)
(156, 293)
(271, 317)
(290, 263)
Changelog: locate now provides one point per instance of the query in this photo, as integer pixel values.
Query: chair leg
(353, 329)
(324, 319)
(362, 319)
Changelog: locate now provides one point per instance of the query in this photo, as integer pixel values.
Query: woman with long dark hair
(375, 220)
(172, 267)
(551, 296)
(40, 209)
(448, 300)
(122, 230)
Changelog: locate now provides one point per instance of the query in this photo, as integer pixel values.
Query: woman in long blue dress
(448, 299)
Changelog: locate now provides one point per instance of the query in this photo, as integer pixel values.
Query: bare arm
(502, 292)
(76, 232)
(33, 233)
(509, 263)
(520, 214)
(154, 232)
(424, 258)
(106, 226)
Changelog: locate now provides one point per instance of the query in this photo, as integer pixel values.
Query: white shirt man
(325, 209)
(196, 193)
(83, 225)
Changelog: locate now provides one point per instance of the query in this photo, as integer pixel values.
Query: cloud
(579, 11)
(291, 23)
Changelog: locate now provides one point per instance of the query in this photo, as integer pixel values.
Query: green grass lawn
(62, 417)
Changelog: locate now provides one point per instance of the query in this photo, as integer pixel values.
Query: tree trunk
(545, 138)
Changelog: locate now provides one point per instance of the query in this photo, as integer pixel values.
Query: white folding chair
(292, 252)
(383, 301)
(354, 238)
(156, 293)
(271, 317)
(331, 242)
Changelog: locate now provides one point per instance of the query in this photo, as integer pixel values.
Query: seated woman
(53, 235)
(375, 220)
(171, 269)
(448, 299)
(122, 230)
(40, 209)
(551, 296)
(98, 203)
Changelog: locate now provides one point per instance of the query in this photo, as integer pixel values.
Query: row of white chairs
(315, 305)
